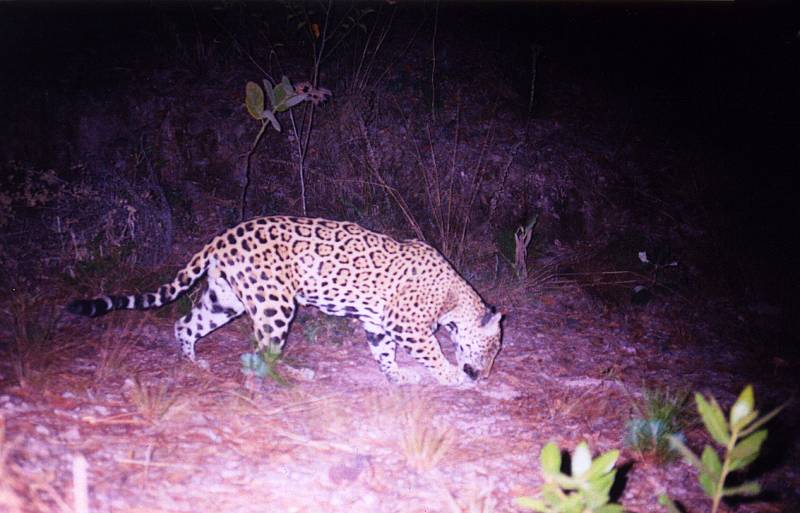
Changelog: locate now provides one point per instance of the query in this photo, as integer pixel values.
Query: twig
(249, 156)
(80, 485)
(372, 165)
(361, 74)
(398, 57)
(122, 418)
(280, 409)
(148, 463)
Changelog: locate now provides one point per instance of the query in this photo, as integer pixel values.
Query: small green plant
(659, 271)
(661, 414)
(739, 435)
(282, 96)
(585, 491)
(262, 365)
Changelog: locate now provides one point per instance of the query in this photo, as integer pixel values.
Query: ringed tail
(166, 293)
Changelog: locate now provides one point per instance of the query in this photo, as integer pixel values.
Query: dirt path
(159, 434)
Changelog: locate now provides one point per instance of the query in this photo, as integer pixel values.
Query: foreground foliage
(739, 435)
(586, 490)
(661, 414)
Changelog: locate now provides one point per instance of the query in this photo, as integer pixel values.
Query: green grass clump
(661, 414)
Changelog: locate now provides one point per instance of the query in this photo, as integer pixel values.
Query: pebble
(229, 474)
(369, 500)
(72, 434)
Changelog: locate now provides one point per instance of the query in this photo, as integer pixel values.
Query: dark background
(711, 86)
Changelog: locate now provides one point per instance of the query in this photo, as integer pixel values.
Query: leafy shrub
(739, 435)
(584, 491)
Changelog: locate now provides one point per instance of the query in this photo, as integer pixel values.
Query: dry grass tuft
(478, 498)
(424, 443)
(156, 401)
(11, 499)
(34, 349)
(114, 351)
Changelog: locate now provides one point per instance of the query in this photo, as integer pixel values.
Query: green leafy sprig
(741, 437)
(586, 490)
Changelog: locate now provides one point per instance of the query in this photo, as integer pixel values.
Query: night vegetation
(617, 178)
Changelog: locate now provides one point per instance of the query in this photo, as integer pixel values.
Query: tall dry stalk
(374, 166)
(451, 206)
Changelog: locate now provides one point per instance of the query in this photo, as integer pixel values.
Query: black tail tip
(88, 307)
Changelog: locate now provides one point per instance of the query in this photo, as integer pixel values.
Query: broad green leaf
(610, 508)
(603, 484)
(763, 420)
(711, 464)
(713, 418)
(254, 100)
(602, 464)
(286, 83)
(564, 481)
(747, 450)
(707, 483)
(743, 406)
(531, 503)
(664, 500)
(596, 497)
(572, 504)
(279, 96)
(551, 494)
(581, 460)
(751, 488)
(688, 455)
(550, 458)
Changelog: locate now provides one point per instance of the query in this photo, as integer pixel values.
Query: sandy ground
(160, 434)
